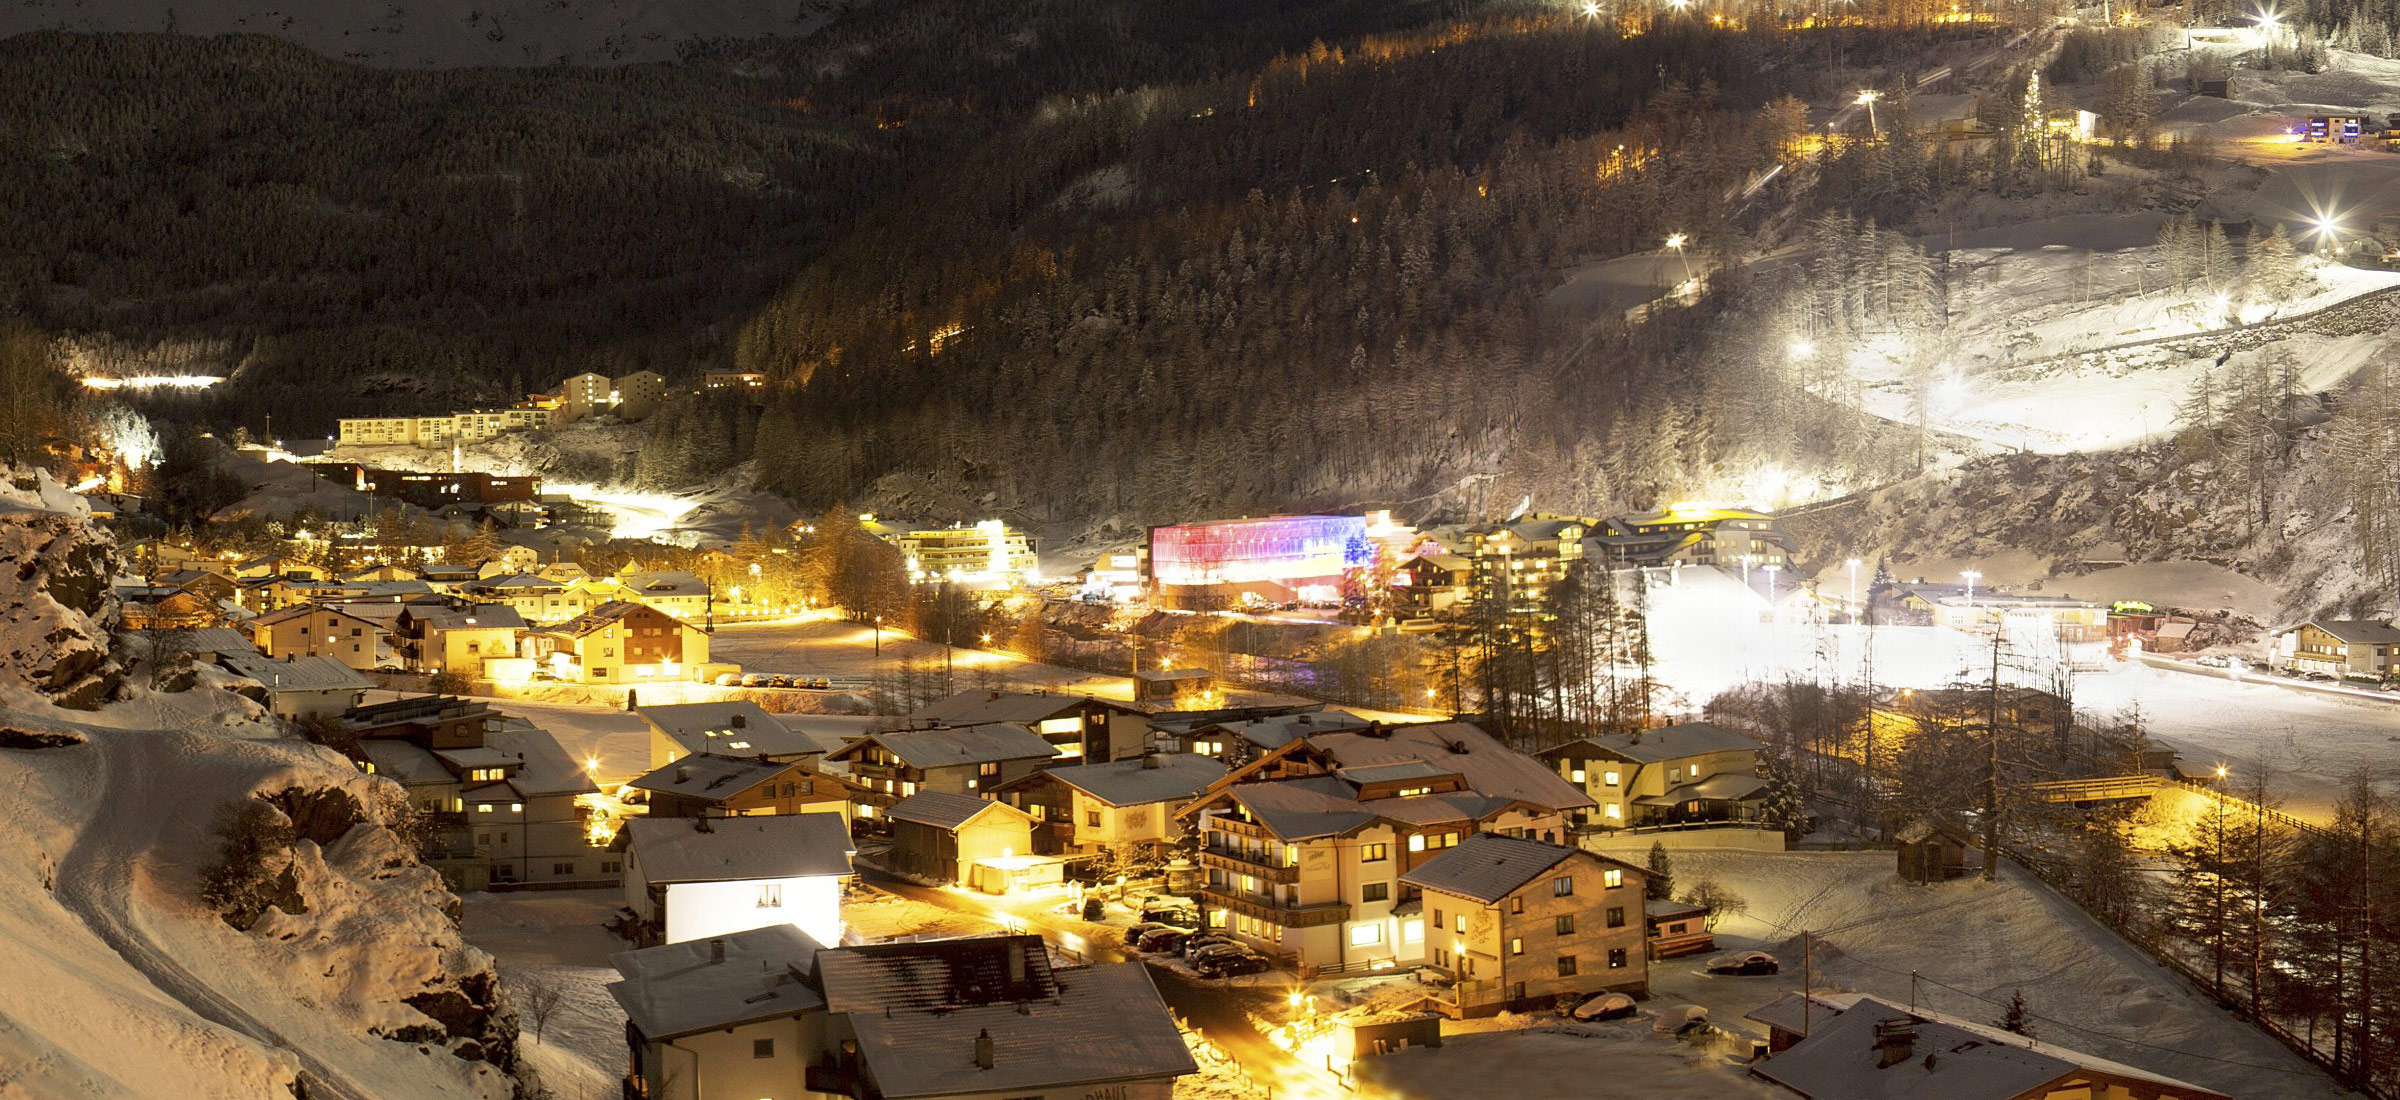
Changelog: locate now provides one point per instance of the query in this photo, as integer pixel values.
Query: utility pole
(1991, 774)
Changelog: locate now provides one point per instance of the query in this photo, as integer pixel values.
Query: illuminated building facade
(987, 556)
(1275, 558)
(1695, 533)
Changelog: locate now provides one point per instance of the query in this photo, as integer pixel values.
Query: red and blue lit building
(1276, 558)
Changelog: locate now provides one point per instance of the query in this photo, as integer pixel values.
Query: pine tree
(1660, 885)
(2016, 1018)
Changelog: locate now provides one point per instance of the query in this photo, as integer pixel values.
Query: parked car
(1744, 962)
(1134, 934)
(1221, 966)
(1680, 1020)
(1163, 941)
(1211, 950)
(1191, 947)
(1171, 911)
(1604, 1006)
(756, 680)
(728, 679)
(820, 683)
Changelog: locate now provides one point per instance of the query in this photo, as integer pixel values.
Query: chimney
(1150, 758)
(683, 773)
(983, 1048)
(1895, 1042)
(716, 951)
(741, 721)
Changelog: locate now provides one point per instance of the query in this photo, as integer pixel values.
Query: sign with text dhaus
(1137, 1090)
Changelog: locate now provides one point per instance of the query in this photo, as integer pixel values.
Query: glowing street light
(1802, 349)
(1676, 241)
(1591, 10)
(1866, 98)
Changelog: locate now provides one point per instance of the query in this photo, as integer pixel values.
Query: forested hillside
(424, 237)
(1319, 283)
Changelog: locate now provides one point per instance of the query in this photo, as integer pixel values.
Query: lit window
(1416, 843)
(1612, 878)
(1366, 935)
(483, 807)
(1516, 945)
(1609, 777)
(1412, 931)
(1374, 853)
(1612, 811)
(1577, 775)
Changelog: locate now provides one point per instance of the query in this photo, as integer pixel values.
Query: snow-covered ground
(2190, 585)
(1971, 944)
(446, 33)
(1565, 1063)
(559, 939)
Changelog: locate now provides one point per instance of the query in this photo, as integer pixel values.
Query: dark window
(1516, 905)
(1616, 916)
(1563, 886)
(1375, 891)
(1616, 958)
(1566, 966)
(762, 1048)
(1566, 924)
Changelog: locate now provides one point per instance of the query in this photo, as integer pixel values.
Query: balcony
(1222, 824)
(1236, 863)
(1288, 916)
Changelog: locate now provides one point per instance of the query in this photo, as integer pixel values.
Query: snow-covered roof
(477, 756)
(732, 727)
(737, 849)
(1664, 743)
(674, 582)
(944, 810)
(680, 989)
(1488, 766)
(489, 616)
(1028, 707)
(919, 1009)
(1176, 775)
(304, 610)
(1276, 731)
(1386, 773)
(1489, 867)
(1305, 808)
(602, 616)
(543, 764)
(951, 746)
(1949, 1058)
(1721, 787)
(404, 762)
(709, 776)
(2359, 631)
(216, 639)
(295, 673)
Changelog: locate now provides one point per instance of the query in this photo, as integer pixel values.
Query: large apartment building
(1305, 847)
(436, 432)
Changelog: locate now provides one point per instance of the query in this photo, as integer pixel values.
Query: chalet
(1238, 736)
(308, 630)
(435, 721)
(1839, 1046)
(1526, 556)
(526, 819)
(622, 642)
(703, 783)
(158, 607)
(1305, 847)
(693, 878)
(298, 687)
(1092, 807)
(1693, 533)
(1697, 772)
(208, 584)
(1928, 851)
(1080, 726)
(280, 567)
(1522, 923)
(1433, 583)
(1676, 928)
(2359, 649)
(771, 1013)
(965, 760)
(732, 727)
(942, 837)
(459, 639)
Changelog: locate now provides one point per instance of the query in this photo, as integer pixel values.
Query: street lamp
(1771, 569)
(1676, 241)
(1802, 349)
(1853, 563)
(1867, 98)
(1972, 576)
(879, 635)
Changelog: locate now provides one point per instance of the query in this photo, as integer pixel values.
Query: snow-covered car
(1213, 951)
(1222, 966)
(1744, 962)
(1191, 947)
(1134, 934)
(1604, 1006)
(728, 679)
(1166, 941)
(756, 679)
(1680, 1019)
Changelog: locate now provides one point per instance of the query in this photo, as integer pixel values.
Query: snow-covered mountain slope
(56, 602)
(122, 982)
(443, 33)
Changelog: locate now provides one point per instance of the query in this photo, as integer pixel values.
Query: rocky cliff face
(56, 604)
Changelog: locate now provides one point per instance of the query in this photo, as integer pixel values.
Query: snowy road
(139, 774)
